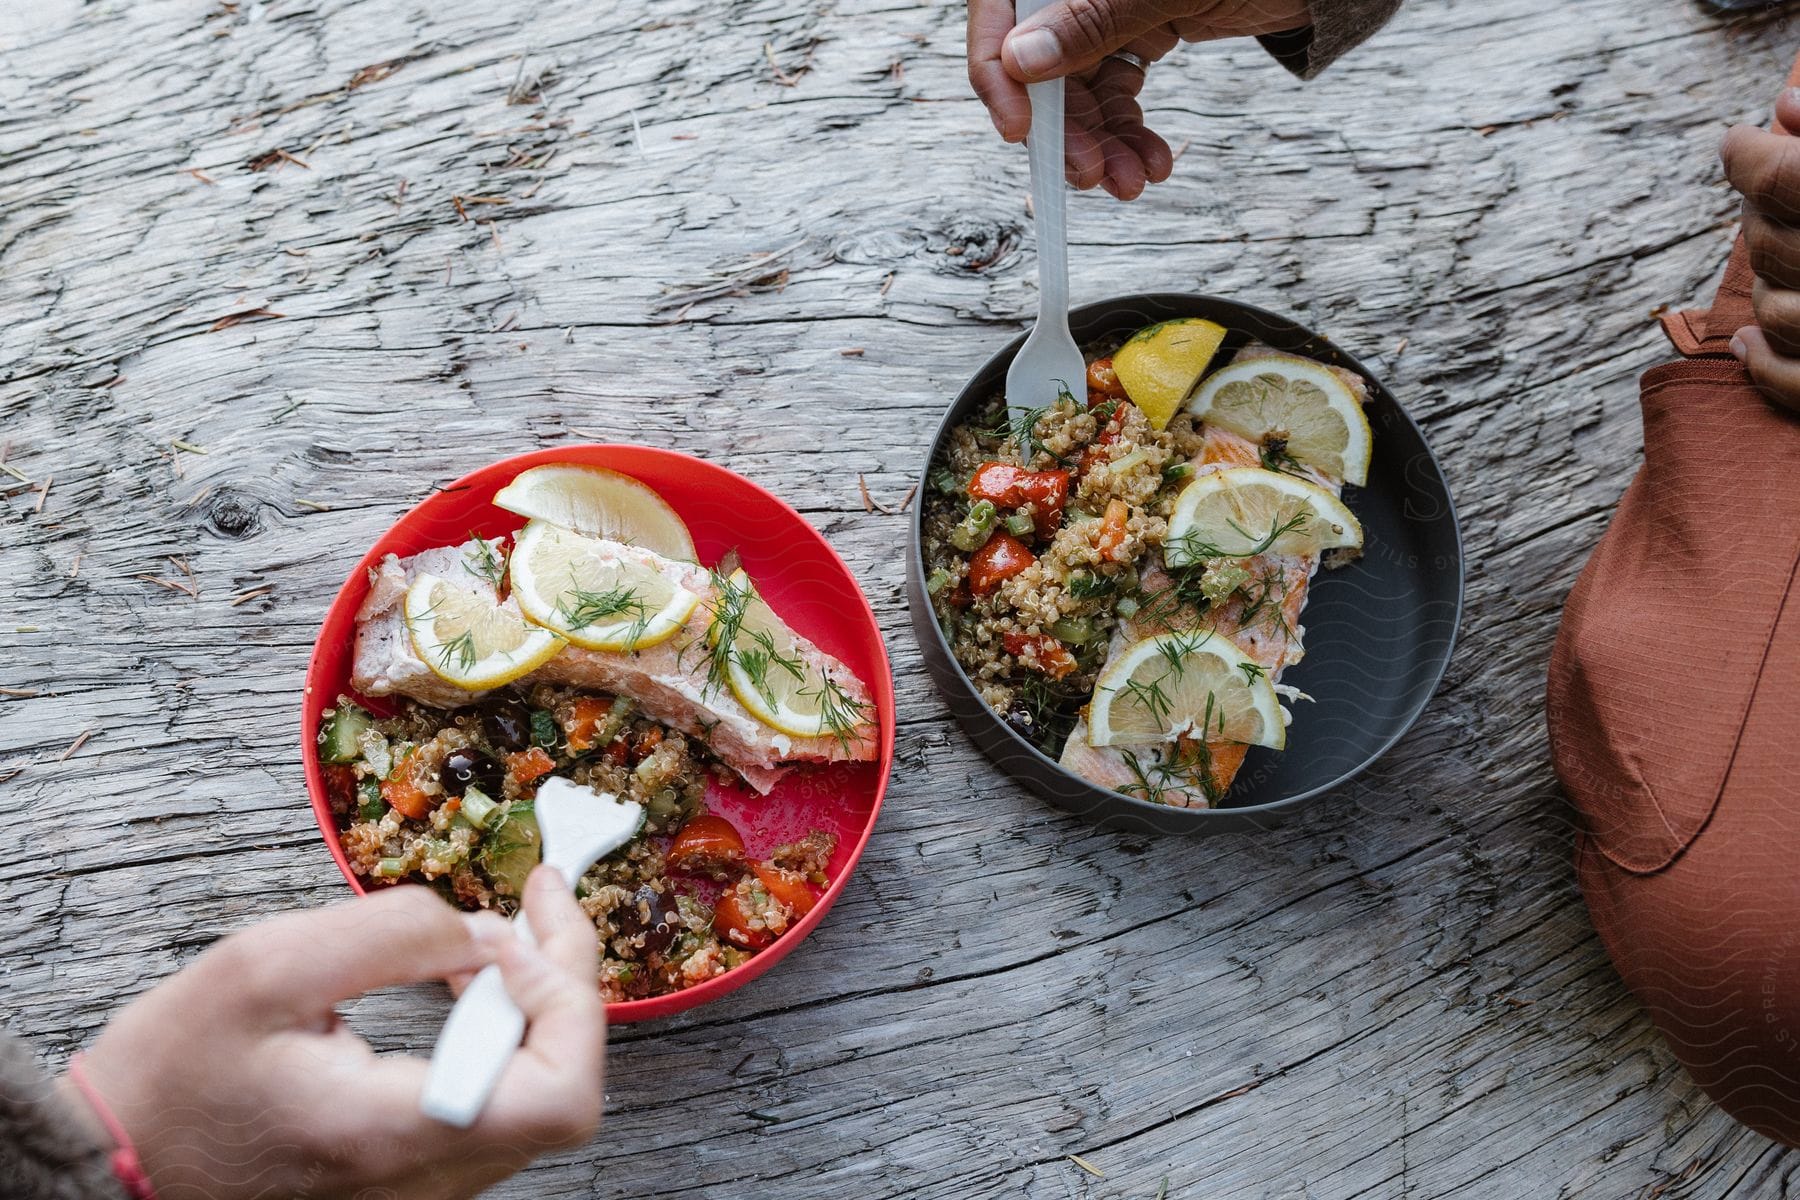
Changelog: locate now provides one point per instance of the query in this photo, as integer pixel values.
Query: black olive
(466, 768)
(508, 725)
(1021, 718)
(658, 929)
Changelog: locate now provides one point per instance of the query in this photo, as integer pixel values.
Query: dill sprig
(581, 607)
(1189, 766)
(485, 561)
(1195, 550)
(756, 659)
(728, 612)
(841, 712)
(1022, 428)
(460, 650)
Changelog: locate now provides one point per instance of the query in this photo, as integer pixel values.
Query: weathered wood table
(270, 270)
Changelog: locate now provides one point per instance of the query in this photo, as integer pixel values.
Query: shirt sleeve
(1338, 27)
(46, 1153)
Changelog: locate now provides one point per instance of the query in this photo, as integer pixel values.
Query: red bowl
(795, 570)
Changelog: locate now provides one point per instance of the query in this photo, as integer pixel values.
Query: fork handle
(1049, 197)
(478, 1039)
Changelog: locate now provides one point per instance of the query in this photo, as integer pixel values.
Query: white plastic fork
(1049, 363)
(577, 827)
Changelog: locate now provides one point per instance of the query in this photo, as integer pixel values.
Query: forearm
(48, 1149)
(1338, 26)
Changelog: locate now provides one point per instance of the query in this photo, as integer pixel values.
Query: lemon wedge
(1194, 683)
(1245, 511)
(1160, 365)
(1299, 403)
(592, 594)
(468, 640)
(770, 671)
(600, 503)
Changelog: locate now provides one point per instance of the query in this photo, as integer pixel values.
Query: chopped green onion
(973, 532)
(1140, 455)
(944, 480)
(1075, 630)
(1021, 524)
(1177, 472)
(477, 806)
(390, 868)
(940, 579)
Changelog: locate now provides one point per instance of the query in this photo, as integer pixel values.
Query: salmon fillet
(1262, 619)
(669, 681)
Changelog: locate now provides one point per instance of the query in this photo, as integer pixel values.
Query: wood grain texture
(488, 228)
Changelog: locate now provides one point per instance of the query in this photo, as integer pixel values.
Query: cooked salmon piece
(671, 682)
(1262, 619)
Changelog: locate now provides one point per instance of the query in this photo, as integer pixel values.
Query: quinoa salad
(445, 799)
(588, 645)
(1121, 578)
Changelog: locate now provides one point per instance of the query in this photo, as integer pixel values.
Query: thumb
(1071, 35)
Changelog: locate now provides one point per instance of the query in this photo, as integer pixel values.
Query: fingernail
(1035, 51)
(1738, 349)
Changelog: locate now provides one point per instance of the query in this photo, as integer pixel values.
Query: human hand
(1106, 141)
(1765, 168)
(235, 1078)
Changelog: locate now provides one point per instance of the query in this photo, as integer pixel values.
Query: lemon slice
(1195, 683)
(593, 595)
(469, 640)
(1299, 402)
(1160, 365)
(1244, 511)
(600, 503)
(766, 668)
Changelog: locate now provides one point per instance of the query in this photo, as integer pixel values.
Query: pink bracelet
(125, 1165)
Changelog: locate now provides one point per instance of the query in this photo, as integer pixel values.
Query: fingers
(1777, 375)
(1107, 143)
(1774, 248)
(1765, 168)
(1007, 103)
(294, 968)
(1073, 35)
(1778, 316)
(551, 1091)
(564, 932)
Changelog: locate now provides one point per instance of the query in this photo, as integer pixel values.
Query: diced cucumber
(370, 806)
(1020, 524)
(513, 848)
(338, 742)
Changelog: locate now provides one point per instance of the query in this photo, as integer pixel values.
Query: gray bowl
(1379, 632)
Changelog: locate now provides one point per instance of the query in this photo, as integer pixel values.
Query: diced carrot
(584, 722)
(528, 765)
(1112, 529)
(401, 790)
